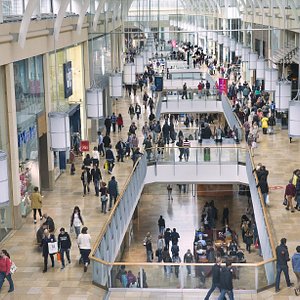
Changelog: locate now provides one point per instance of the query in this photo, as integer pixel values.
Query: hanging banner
(223, 86)
(84, 146)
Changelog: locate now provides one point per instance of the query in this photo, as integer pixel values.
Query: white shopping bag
(53, 248)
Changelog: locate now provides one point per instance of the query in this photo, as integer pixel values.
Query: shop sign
(84, 146)
(223, 86)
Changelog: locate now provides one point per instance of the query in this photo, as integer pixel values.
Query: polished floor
(274, 151)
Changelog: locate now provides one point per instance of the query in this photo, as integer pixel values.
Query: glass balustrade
(250, 277)
(208, 153)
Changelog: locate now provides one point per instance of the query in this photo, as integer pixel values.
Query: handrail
(258, 264)
(108, 221)
(263, 208)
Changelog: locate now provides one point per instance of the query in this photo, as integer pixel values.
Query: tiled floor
(280, 157)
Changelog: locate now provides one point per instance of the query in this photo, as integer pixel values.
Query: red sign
(84, 146)
(223, 86)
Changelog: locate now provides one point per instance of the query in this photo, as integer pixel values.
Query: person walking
(167, 237)
(36, 203)
(174, 237)
(160, 247)
(282, 255)
(148, 245)
(186, 149)
(216, 271)
(103, 196)
(9, 275)
(84, 244)
(161, 225)
(76, 220)
(107, 123)
(110, 158)
(113, 119)
(296, 269)
(290, 193)
(97, 177)
(120, 122)
(131, 111)
(64, 246)
(48, 238)
(100, 144)
(5, 264)
(188, 258)
(121, 149)
(169, 189)
(113, 191)
(226, 285)
(86, 179)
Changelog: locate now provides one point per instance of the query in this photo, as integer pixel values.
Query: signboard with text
(223, 86)
(84, 146)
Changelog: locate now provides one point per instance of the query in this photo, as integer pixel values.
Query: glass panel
(30, 101)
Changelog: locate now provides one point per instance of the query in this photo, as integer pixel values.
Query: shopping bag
(13, 268)
(58, 256)
(105, 165)
(284, 201)
(267, 200)
(52, 248)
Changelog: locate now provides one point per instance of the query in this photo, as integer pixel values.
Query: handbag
(284, 201)
(103, 198)
(267, 200)
(58, 256)
(13, 268)
(53, 247)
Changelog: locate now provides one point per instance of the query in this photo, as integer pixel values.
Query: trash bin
(206, 154)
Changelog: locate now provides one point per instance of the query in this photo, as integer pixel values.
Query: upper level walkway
(274, 151)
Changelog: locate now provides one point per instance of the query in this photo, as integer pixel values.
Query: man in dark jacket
(107, 124)
(282, 255)
(96, 176)
(48, 238)
(216, 270)
(226, 281)
(174, 237)
(64, 245)
(113, 191)
(110, 158)
(166, 133)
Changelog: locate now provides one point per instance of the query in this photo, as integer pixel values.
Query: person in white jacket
(84, 244)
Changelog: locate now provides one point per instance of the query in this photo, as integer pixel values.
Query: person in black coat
(49, 223)
(226, 286)
(107, 124)
(48, 238)
(86, 178)
(216, 271)
(64, 245)
(97, 177)
(282, 255)
(166, 133)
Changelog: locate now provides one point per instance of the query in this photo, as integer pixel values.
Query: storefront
(30, 109)
(5, 201)
(67, 95)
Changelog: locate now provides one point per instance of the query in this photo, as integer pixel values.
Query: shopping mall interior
(204, 99)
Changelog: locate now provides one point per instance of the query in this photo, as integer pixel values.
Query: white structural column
(83, 10)
(13, 136)
(31, 6)
(60, 17)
